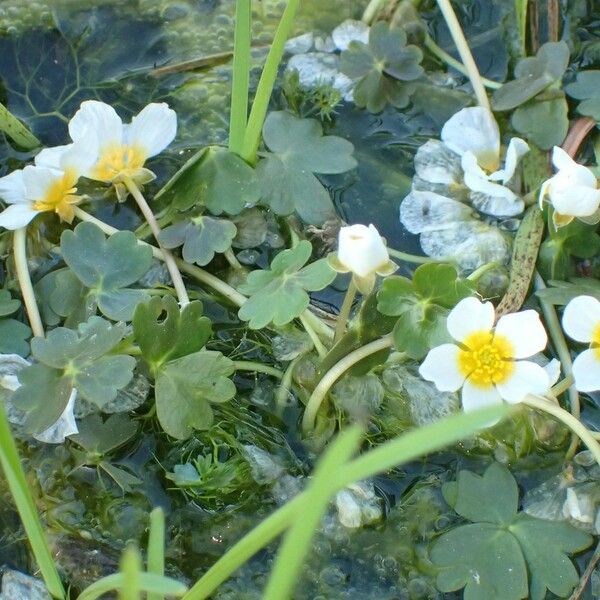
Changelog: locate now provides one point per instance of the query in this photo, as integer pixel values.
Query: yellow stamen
(118, 159)
(486, 359)
(60, 196)
(595, 345)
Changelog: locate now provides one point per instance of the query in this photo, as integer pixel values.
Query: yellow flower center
(595, 345)
(486, 359)
(118, 159)
(60, 196)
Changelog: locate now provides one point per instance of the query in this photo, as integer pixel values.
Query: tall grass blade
(19, 488)
(148, 582)
(16, 131)
(156, 548)
(131, 569)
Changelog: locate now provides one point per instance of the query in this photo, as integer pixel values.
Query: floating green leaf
(8, 305)
(107, 266)
(186, 387)
(215, 178)
(586, 88)
(533, 75)
(13, 337)
(72, 359)
(165, 333)
(200, 236)
(381, 66)
(421, 306)
(98, 437)
(279, 294)
(298, 150)
(492, 556)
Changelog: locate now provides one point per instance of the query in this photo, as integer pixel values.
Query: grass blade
(148, 582)
(19, 488)
(16, 131)
(131, 568)
(156, 548)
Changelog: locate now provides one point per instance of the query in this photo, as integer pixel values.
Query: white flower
(474, 135)
(581, 321)
(487, 362)
(121, 150)
(362, 252)
(50, 185)
(572, 191)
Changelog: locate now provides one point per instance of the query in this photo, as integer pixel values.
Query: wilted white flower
(362, 252)
(572, 191)
(581, 321)
(487, 362)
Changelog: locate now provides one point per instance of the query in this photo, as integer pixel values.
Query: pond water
(55, 54)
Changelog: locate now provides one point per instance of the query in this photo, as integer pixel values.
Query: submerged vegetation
(302, 271)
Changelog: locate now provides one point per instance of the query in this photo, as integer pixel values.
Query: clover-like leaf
(279, 295)
(215, 178)
(107, 266)
(298, 150)
(13, 337)
(8, 305)
(421, 306)
(503, 554)
(164, 332)
(200, 236)
(101, 437)
(186, 387)
(72, 359)
(586, 88)
(381, 66)
(533, 75)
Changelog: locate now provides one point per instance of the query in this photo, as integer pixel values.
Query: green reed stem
(16, 131)
(316, 340)
(266, 83)
(148, 582)
(156, 548)
(20, 490)
(296, 544)
(257, 367)
(399, 450)
(131, 568)
(241, 75)
(342, 320)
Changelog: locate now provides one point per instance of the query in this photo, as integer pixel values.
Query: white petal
(586, 371)
(524, 331)
(441, 367)
(153, 129)
(517, 148)
(37, 180)
(361, 249)
(96, 124)
(474, 129)
(506, 204)
(427, 211)
(581, 318)
(475, 397)
(527, 378)
(65, 426)
(436, 163)
(561, 159)
(12, 188)
(16, 216)
(469, 316)
(576, 201)
(51, 157)
(552, 369)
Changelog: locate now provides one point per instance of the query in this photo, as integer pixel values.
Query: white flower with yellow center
(487, 361)
(581, 322)
(121, 150)
(572, 191)
(50, 185)
(362, 252)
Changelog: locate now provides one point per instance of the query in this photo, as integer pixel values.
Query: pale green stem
(456, 64)
(286, 383)
(316, 340)
(156, 548)
(478, 273)
(465, 52)
(31, 307)
(421, 260)
(575, 425)
(232, 260)
(371, 11)
(16, 130)
(131, 568)
(249, 365)
(562, 386)
(319, 393)
(178, 284)
(342, 320)
(562, 350)
(323, 330)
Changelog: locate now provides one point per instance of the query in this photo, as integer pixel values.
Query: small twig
(576, 595)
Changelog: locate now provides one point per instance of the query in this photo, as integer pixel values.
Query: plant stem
(562, 386)
(130, 567)
(465, 52)
(321, 350)
(421, 260)
(182, 294)
(20, 490)
(241, 76)
(342, 320)
(156, 548)
(371, 11)
(232, 260)
(575, 425)
(322, 329)
(249, 365)
(20, 256)
(562, 350)
(16, 130)
(319, 393)
(456, 64)
(266, 83)
(286, 383)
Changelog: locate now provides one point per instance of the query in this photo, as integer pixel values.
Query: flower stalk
(342, 319)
